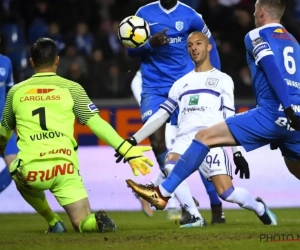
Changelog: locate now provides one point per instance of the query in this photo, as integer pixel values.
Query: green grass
(136, 231)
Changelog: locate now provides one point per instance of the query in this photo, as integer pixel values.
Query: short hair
(275, 8)
(200, 33)
(43, 52)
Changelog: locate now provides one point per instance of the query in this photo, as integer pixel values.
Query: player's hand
(159, 39)
(119, 157)
(273, 146)
(293, 118)
(136, 159)
(241, 165)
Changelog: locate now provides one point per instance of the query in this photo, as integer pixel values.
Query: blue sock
(187, 164)
(5, 179)
(210, 189)
(161, 160)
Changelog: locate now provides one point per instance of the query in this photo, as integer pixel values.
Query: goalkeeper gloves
(241, 165)
(134, 156)
(119, 157)
(293, 118)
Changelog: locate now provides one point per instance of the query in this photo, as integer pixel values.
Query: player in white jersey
(170, 133)
(204, 96)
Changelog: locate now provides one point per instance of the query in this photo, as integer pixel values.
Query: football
(133, 32)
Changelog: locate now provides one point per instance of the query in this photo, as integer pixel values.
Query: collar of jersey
(272, 25)
(170, 10)
(44, 74)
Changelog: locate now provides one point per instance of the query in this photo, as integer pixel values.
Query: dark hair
(275, 8)
(43, 52)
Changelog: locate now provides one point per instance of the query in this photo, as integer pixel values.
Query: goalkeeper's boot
(105, 223)
(145, 206)
(149, 193)
(217, 213)
(59, 227)
(185, 215)
(195, 222)
(268, 218)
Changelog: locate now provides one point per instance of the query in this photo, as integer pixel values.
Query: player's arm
(88, 114)
(198, 24)
(8, 122)
(228, 111)
(159, 118)
(9, 80)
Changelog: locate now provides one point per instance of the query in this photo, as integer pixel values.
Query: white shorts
(216, 162)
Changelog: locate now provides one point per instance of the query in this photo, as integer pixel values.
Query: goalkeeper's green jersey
(43, 109)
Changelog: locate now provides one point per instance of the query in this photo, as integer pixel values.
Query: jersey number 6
(289, 61)
(42, 117)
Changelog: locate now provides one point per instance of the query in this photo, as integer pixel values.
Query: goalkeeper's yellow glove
(136, 159)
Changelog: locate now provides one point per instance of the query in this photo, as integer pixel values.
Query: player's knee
(293, 167)
(203, 136)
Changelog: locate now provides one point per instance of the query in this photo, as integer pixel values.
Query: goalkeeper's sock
(88, 224)
(243, 198)
(161, 160)
(40, 204)
(5, 179)
(211, 191)
(187, 164)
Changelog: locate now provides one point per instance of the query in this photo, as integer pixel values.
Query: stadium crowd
(90, 52)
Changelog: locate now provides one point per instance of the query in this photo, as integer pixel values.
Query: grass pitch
(136, 231)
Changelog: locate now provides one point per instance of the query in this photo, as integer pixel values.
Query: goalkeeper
(43, 109)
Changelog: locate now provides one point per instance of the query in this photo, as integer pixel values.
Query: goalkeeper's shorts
(59, 176)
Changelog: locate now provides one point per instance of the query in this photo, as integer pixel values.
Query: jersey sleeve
(8, 117)
(83, 108)
(228, 98)
(198, 24)
(9, 80)
(257, 45)
(171, 103)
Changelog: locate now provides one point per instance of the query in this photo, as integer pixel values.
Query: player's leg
(183, 194)
(217, 168)
(71, 194)
(11, 152)
(32, 190)
(293, 166)
(136, 86)
(252, 130)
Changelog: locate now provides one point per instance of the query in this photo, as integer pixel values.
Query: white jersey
(204, 99)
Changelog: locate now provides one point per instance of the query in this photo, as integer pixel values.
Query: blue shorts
(11, 147)
(259, 127)
(150, 105)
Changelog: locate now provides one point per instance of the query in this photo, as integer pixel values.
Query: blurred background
(91, 54)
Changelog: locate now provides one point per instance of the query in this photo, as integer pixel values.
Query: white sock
(183, 194)
(172, 202)
(158, 179)
(243, 198)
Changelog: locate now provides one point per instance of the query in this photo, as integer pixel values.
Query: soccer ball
(133, 32)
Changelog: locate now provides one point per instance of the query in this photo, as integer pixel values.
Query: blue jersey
(164, 65)
(273, 40)
(6, 79)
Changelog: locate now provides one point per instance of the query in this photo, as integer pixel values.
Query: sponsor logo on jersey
(63, 151)
(39, 98)
(257, 41)
(46, 136)
(280, 31)
(179, 25)
(212, 82)
(38, 91)
(194, 99)
(194, 109)
(2, 71)
(147, 113)
(46, 175)
(295, 107)
(175, 39)
(92, 107)
(292, 83)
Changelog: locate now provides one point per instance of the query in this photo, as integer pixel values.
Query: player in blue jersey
(6, 82)
(273, 57)
(164, 60)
